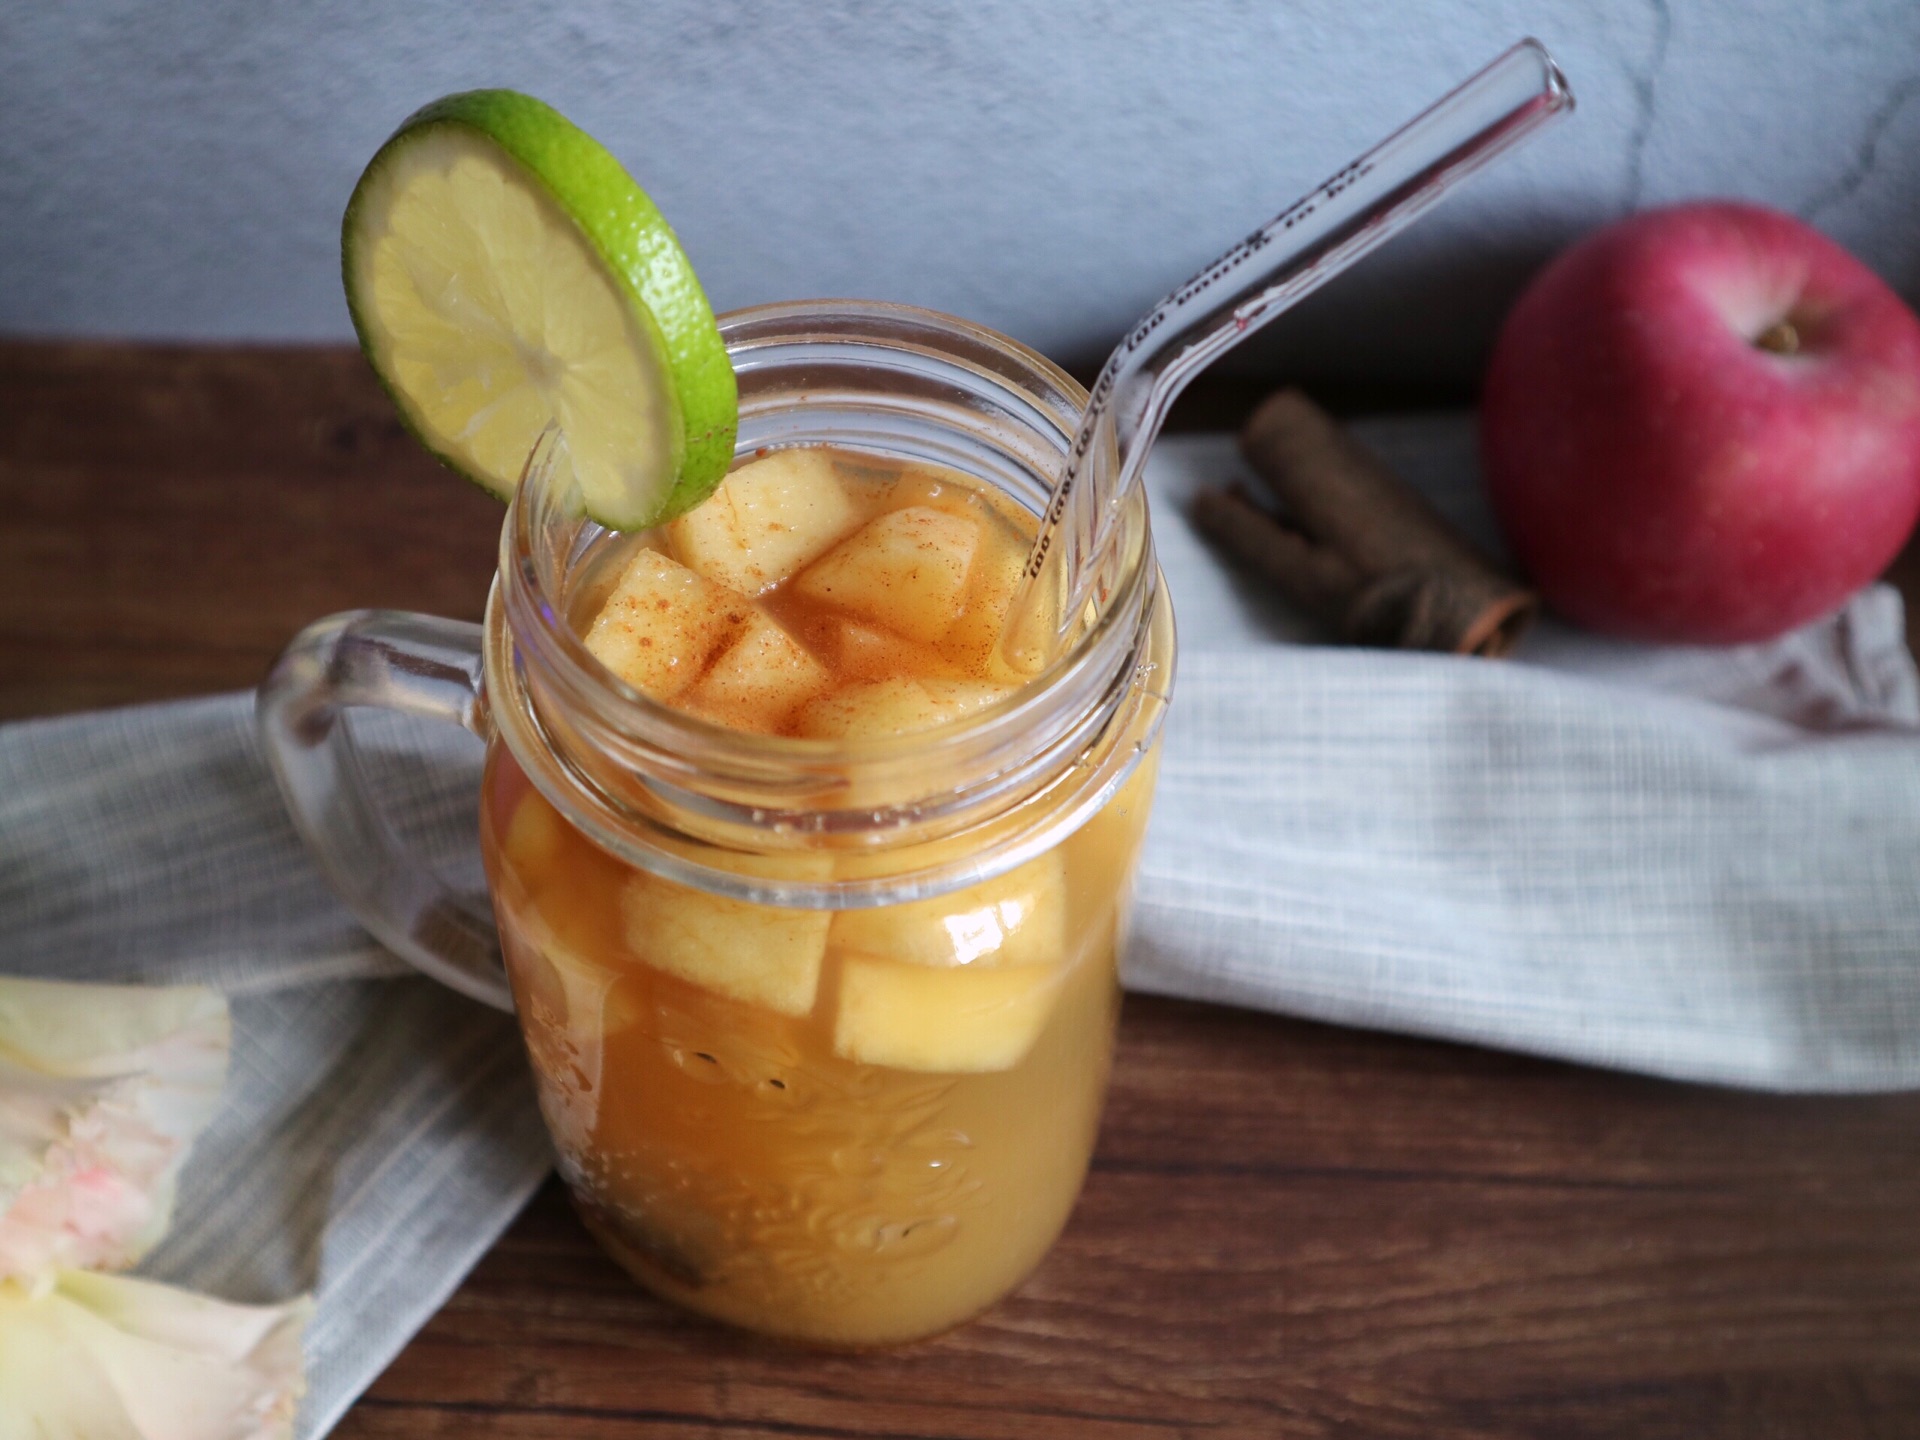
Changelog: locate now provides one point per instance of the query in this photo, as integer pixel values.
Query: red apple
(1703, 424)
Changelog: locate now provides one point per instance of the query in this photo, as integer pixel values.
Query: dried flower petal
(102, 1089)
(105, 1357)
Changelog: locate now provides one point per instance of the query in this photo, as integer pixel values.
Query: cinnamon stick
(1357, 547)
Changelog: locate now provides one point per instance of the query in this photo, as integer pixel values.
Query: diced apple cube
(593, 1000)
(767, 520)
(1109, 843)
(963, 697)
(569, 1008)
(791, 866)
(944, 1021)
(1015, 919)
(932, 485)
(891, 707)
(997, 569)
(759, 954)
(534, 836)
(662, 623)
(879, 707)
(760, 679)
(565, 924)
(906, 570)
(868, 652)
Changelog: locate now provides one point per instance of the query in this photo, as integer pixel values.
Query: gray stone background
(178, 169)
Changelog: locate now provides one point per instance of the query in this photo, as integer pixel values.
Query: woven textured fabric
(1699, 863)
(1695, 863)
(378, 1132)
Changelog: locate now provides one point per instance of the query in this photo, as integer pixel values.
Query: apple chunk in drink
(851, 1126)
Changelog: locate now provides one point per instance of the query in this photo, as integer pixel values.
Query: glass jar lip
(743, 327)
(589, 681)
(724, 780)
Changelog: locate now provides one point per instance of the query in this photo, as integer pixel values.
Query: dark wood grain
(1293, 1230)
(173, 515)
(1290, 1230)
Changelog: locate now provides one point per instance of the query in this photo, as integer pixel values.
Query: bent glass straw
(1361, 205)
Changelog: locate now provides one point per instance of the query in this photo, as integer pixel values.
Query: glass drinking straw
(1367, 201)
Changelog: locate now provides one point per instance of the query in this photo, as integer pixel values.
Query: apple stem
(1780, 338)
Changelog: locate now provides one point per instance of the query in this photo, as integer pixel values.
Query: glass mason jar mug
(820, 1029)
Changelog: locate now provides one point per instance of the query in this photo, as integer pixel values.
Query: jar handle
(390, 660)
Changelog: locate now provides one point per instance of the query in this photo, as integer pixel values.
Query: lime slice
(504, 272)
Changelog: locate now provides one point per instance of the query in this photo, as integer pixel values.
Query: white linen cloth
(377, 1132)
(1703, 864)
(1700, 863)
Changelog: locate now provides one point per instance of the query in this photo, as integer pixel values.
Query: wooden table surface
(1289, 1230)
